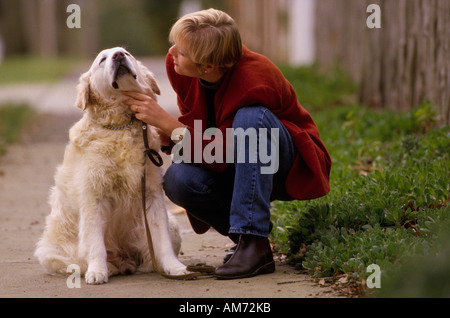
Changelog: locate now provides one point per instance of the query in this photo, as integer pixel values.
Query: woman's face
(183, 63)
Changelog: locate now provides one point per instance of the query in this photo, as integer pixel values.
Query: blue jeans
(237, 201)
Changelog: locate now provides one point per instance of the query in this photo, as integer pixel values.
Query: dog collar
(125, 126)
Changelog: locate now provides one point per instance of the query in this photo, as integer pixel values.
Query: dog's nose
(118, 56)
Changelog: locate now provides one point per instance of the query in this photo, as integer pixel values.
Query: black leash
(197, 270)
(153, 155)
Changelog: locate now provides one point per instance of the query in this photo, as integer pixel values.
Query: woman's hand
(166, 142)
(145, 108)
(149, 111)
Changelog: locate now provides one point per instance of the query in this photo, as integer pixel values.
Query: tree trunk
(398, 66)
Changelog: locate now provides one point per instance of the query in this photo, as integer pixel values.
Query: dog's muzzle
(121, 68)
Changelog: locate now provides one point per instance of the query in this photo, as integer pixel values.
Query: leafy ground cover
(389, 198)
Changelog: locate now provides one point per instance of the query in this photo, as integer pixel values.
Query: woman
(220, 83)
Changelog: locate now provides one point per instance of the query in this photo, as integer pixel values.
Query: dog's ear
(83, 91)
(149, 79)
(153, 84)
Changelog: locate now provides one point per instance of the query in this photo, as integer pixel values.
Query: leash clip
(153, 155)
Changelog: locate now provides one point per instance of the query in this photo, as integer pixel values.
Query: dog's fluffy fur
(96, 218)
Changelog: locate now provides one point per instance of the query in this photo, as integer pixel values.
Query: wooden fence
(397, 66)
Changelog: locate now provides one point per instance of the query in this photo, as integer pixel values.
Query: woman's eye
(102, 60)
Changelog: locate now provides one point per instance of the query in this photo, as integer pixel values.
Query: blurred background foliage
(394, 67)
(38, 27)
(147, 24)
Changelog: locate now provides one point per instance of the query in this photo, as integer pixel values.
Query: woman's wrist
(168, 126)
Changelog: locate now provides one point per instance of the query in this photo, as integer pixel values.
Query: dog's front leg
(92, 244)
(162, 241)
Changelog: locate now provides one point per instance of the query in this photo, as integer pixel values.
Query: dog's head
(114, 70)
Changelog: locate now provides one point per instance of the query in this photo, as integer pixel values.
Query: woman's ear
(83, 91)
(210, 68)
(207, 69)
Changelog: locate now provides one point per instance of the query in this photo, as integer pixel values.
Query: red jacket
(255, 80)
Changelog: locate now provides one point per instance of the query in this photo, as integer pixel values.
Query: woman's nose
(173, 50)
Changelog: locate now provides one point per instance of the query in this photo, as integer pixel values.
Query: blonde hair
(210, 37)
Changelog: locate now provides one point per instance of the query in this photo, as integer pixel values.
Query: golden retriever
(96, 218)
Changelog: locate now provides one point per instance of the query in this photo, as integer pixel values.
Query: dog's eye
(102, 60)
(126, 53)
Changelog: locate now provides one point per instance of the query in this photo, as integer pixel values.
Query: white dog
(96, 219)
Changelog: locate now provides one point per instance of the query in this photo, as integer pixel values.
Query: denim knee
(170, 185)
(183, 181)
(174, 184)
(250, 116)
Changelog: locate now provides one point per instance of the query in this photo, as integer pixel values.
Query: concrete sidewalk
(26, 174)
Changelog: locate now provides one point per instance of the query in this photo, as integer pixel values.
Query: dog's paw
(176, 270)
(96, 277)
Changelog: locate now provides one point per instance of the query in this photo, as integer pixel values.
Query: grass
(389, 193)
(12, 118)
(27, 69)
(317, 91)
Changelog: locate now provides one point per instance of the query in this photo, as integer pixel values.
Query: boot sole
(268, 268)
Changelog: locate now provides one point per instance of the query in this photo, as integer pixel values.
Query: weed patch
(389, 195)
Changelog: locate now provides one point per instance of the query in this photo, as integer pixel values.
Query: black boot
(252, 257)
(230, 253)
(236, 240)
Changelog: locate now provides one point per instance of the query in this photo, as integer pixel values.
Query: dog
(96, 218)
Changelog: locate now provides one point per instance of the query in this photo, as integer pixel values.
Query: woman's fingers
(136, 95)
(144, 107)
(138, 102)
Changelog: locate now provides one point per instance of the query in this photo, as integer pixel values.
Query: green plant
(317, 91)
(389, 194)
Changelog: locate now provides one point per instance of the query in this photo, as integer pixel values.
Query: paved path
(26, 174)
(59, 98)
